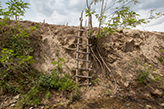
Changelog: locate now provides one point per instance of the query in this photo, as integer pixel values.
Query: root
(94, 55)
(73, 49)
(103, 61)
(116, 88)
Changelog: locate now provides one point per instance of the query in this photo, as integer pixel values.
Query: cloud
(63, 11)
(151, 4)
(58, 11)
(62, 7)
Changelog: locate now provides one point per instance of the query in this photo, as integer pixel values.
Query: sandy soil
(116, 60)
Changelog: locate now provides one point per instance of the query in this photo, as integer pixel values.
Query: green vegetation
(144, 73)
(161, 50)
(161, 60)
(17, 76)
(15, 8)
(94, 81)
(121, 17)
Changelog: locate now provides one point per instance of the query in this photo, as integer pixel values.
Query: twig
(97, 59)
(69, 48)
(103, 61)
(116, 88)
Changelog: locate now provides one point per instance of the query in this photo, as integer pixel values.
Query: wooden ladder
(87, 69)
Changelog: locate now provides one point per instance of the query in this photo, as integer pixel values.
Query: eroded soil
(117, 61)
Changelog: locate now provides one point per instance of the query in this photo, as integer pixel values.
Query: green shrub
(161, 60)
(16, 72)
(161, 50)
(143, 75)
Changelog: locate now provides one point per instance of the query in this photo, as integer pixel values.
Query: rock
(12, 105)
(16, 97)
(148, 107)
(128, 104)
(157, 92)
(47, 107)
(54, 105)
(162, 105)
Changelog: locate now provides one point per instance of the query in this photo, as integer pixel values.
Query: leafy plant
(94, 81)
(16, 8)
(161, 50)
(122, 17)
(161, 60)
(16, 72)
(1, 10)
(143, 75)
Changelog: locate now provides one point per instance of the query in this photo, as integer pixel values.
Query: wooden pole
(77, 53)
(87, 58)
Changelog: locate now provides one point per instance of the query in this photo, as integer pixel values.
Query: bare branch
(87, 4)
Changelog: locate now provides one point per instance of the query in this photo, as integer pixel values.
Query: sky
(61, 12)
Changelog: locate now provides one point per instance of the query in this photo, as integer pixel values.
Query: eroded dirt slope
(117, 60)
(127, 63)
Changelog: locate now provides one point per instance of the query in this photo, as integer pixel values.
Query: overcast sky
(63, 11)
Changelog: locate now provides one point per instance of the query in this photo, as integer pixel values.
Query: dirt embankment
(127, 63)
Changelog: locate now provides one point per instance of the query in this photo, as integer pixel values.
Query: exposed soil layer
(125, 63)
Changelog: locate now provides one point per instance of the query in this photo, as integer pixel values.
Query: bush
(16, 72)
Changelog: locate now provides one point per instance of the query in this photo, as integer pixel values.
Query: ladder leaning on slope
(87, 69)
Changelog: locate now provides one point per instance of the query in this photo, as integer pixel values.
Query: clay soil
(117, 61)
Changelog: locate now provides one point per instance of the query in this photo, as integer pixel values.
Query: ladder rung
(84, 44)
(82, 36)
(82, 52)
(82, 60)
(84, 69)
(80, 76)
(85, 84)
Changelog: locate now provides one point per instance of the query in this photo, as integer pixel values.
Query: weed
(94, 81)
(124, 79)
(47, 95)
(108, 92)
(161, 50)
(161, 60)
(32, 28)
(157, 78)
(137, 62)
(142, 76)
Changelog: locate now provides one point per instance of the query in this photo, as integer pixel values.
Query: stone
(148, 107)
(12, 105)
(157, 92)
(17, 96)
(162, 104)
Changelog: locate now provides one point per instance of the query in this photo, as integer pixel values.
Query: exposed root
(116, 88)
(73, 49)
(103, 61)
(94, 55)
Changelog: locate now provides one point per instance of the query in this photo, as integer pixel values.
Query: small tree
(1, 10)
(122, 17)
(16, 8)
